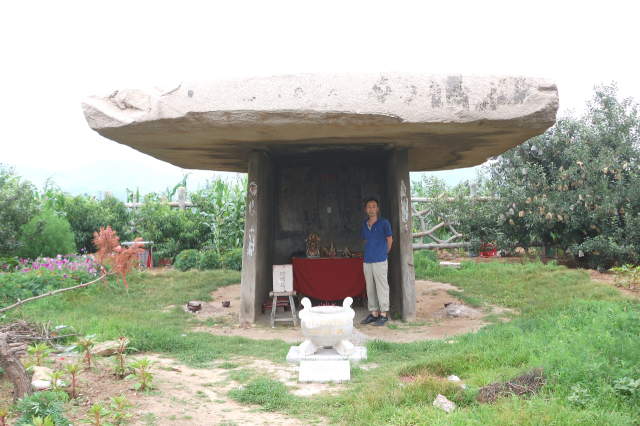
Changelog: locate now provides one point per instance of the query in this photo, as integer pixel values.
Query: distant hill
(115, 176)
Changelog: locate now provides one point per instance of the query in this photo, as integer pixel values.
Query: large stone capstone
(445, 121)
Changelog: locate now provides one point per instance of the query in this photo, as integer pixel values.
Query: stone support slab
(322, 354)
(446, 121)
(324, 371)
(257, 260)
(402, 279)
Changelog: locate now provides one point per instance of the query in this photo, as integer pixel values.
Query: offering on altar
(313, 246)
(332, 251)
(346, 252)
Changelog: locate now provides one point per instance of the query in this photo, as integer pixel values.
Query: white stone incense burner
(327, 326)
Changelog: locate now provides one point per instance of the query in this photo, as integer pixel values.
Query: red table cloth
(329, 279)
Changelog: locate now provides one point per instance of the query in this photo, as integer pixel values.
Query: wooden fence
(182, 202)
(449, 243)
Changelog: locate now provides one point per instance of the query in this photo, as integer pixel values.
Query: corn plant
(73, 370)
(121, 406)
(86, 344)
(39, 352)
(98, 415)
(141, 372)
(56, 380)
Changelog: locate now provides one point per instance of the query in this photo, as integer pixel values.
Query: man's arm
(389, 242)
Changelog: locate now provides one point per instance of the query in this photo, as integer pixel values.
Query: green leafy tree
(171, 230)
(87, 215)
(575, 187)
(17, 208)
(46, 234)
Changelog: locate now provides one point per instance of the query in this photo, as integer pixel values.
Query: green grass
(467, 299)
(269, 393)
(584, 334)
(581, 333)
(113, 311)
(241, 376)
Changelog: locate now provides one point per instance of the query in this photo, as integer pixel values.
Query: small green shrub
(23, 285)
(43, 404)
(47, 234)
(425, 262)
(232, 259)
(209, 259)
(186, 259)
(9, 263)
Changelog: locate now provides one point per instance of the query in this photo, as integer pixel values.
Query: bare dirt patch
(430, 323)
(526, 384)
(183, 395)
(609, 278)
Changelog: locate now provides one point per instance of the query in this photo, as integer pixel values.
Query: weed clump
(269, 393)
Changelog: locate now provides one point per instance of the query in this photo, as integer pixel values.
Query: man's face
(372, 209)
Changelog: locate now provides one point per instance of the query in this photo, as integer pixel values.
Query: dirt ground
(431, 323)
(183, 395)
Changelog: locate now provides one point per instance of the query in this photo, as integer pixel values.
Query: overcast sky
(54, 52)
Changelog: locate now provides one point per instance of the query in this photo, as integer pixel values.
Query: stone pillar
(258, 236)
(402, 279)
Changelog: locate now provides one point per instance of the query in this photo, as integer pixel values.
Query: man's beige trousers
(375, 274)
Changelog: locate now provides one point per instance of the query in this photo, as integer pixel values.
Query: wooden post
(10, 363)
(182, 198)
(474, 192)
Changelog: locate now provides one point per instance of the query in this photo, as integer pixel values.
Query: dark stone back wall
(305, 186)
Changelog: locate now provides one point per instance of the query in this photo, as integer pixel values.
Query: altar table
(329, 279)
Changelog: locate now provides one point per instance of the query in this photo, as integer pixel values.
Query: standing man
(376, 231)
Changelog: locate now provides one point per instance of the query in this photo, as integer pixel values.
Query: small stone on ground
(441, 401)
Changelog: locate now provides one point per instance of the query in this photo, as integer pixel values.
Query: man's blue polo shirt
(376, 249)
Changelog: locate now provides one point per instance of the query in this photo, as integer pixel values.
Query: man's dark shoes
(369, 319)
(380, 321)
